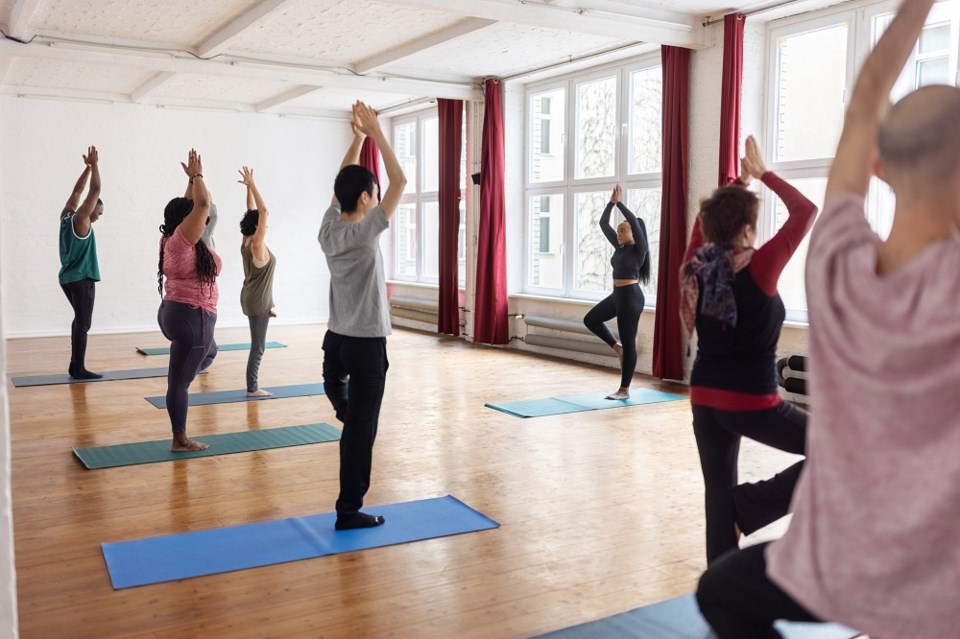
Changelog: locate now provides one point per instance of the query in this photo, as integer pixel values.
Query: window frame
(420, 199)
(571, 186)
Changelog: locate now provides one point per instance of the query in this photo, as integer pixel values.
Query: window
(805, 125)
(612, 117)
(416, 227)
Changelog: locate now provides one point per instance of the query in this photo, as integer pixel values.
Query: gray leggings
(258, 343)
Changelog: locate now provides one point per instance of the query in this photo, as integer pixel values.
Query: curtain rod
(775, 5)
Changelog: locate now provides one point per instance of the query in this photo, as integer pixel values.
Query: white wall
(295, 161)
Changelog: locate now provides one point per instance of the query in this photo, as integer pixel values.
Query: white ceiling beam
(21, 15)
(283, 98)
(242, 69)
(221, 40)
(461, 28)
(156, 81)
(600, 19)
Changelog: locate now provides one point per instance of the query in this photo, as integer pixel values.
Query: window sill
(563, 300)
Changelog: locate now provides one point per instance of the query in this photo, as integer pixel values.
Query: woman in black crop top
(631, 264)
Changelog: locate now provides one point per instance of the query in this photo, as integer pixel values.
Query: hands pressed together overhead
(751, 164)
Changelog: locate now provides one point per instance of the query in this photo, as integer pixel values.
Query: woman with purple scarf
(730, 297)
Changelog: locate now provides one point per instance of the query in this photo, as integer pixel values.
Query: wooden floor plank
(600, 512)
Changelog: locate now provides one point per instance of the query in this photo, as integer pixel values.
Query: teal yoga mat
(231, 396)
(218, 550)
(108, 376)
(165, 350)
(680, 618)
(223, 444)
(581, 403)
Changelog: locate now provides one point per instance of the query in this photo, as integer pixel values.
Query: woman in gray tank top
(256, 296)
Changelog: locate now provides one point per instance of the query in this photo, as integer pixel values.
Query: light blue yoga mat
(218, 550)
(109, 376)
(222, 444)
(231, 396)
(165, 350)
(680, 618)
(581, 403)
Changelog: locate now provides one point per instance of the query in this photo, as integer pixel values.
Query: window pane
(792, 283)
(935, 38)
(646, 91)
(405, 148)
(430, 150)
(809, 121)
(594, 272)
(463, 154)
(881, 203)
(645, 204)
(596, 128)
(430, 268)
(546, 135)
(406, 241)
(546, 216)
(933, 71)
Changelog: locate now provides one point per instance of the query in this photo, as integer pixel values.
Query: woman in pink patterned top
(873, 541)
(187, 273)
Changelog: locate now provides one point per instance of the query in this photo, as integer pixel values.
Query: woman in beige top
(256, 296)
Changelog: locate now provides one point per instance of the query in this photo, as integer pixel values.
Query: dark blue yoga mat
(680, 618)
(218, 550)
(231, 396)
(109, 376)
(165, 350)
(581, 403)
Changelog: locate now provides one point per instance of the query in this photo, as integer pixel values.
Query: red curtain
(667, 340)
(370, 160)
(451, 131)
(490, 310)
(730, 98)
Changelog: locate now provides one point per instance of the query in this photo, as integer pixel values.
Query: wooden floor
(600, 512)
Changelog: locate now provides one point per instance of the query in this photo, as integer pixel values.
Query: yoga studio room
(443, 319)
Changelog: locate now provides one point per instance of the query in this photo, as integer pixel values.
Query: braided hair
(175, 212)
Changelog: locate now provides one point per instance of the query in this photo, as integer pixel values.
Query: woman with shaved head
(873, 541)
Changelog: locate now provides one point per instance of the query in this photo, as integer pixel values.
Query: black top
(741, 358)
(627, 260)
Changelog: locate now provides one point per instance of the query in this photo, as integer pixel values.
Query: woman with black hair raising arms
(631, 265)
(256, 296)
(188, 312)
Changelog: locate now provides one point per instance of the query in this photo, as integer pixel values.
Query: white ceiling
(315, 57)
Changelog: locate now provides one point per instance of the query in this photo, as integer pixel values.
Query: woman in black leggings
(631, 265)
(187, 279)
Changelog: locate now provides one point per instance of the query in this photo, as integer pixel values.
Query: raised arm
(193, 225)
(352, 156)
(604, 221)
(81, 221)
(73, 202)
(366, 122)
(852, 163)
(771, 258)
(254, 200)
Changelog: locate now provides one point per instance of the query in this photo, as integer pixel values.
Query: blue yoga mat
(218, 550)
(680, 618)
(231, 396)
(165, 350)
(581, 403)
(109, 376)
